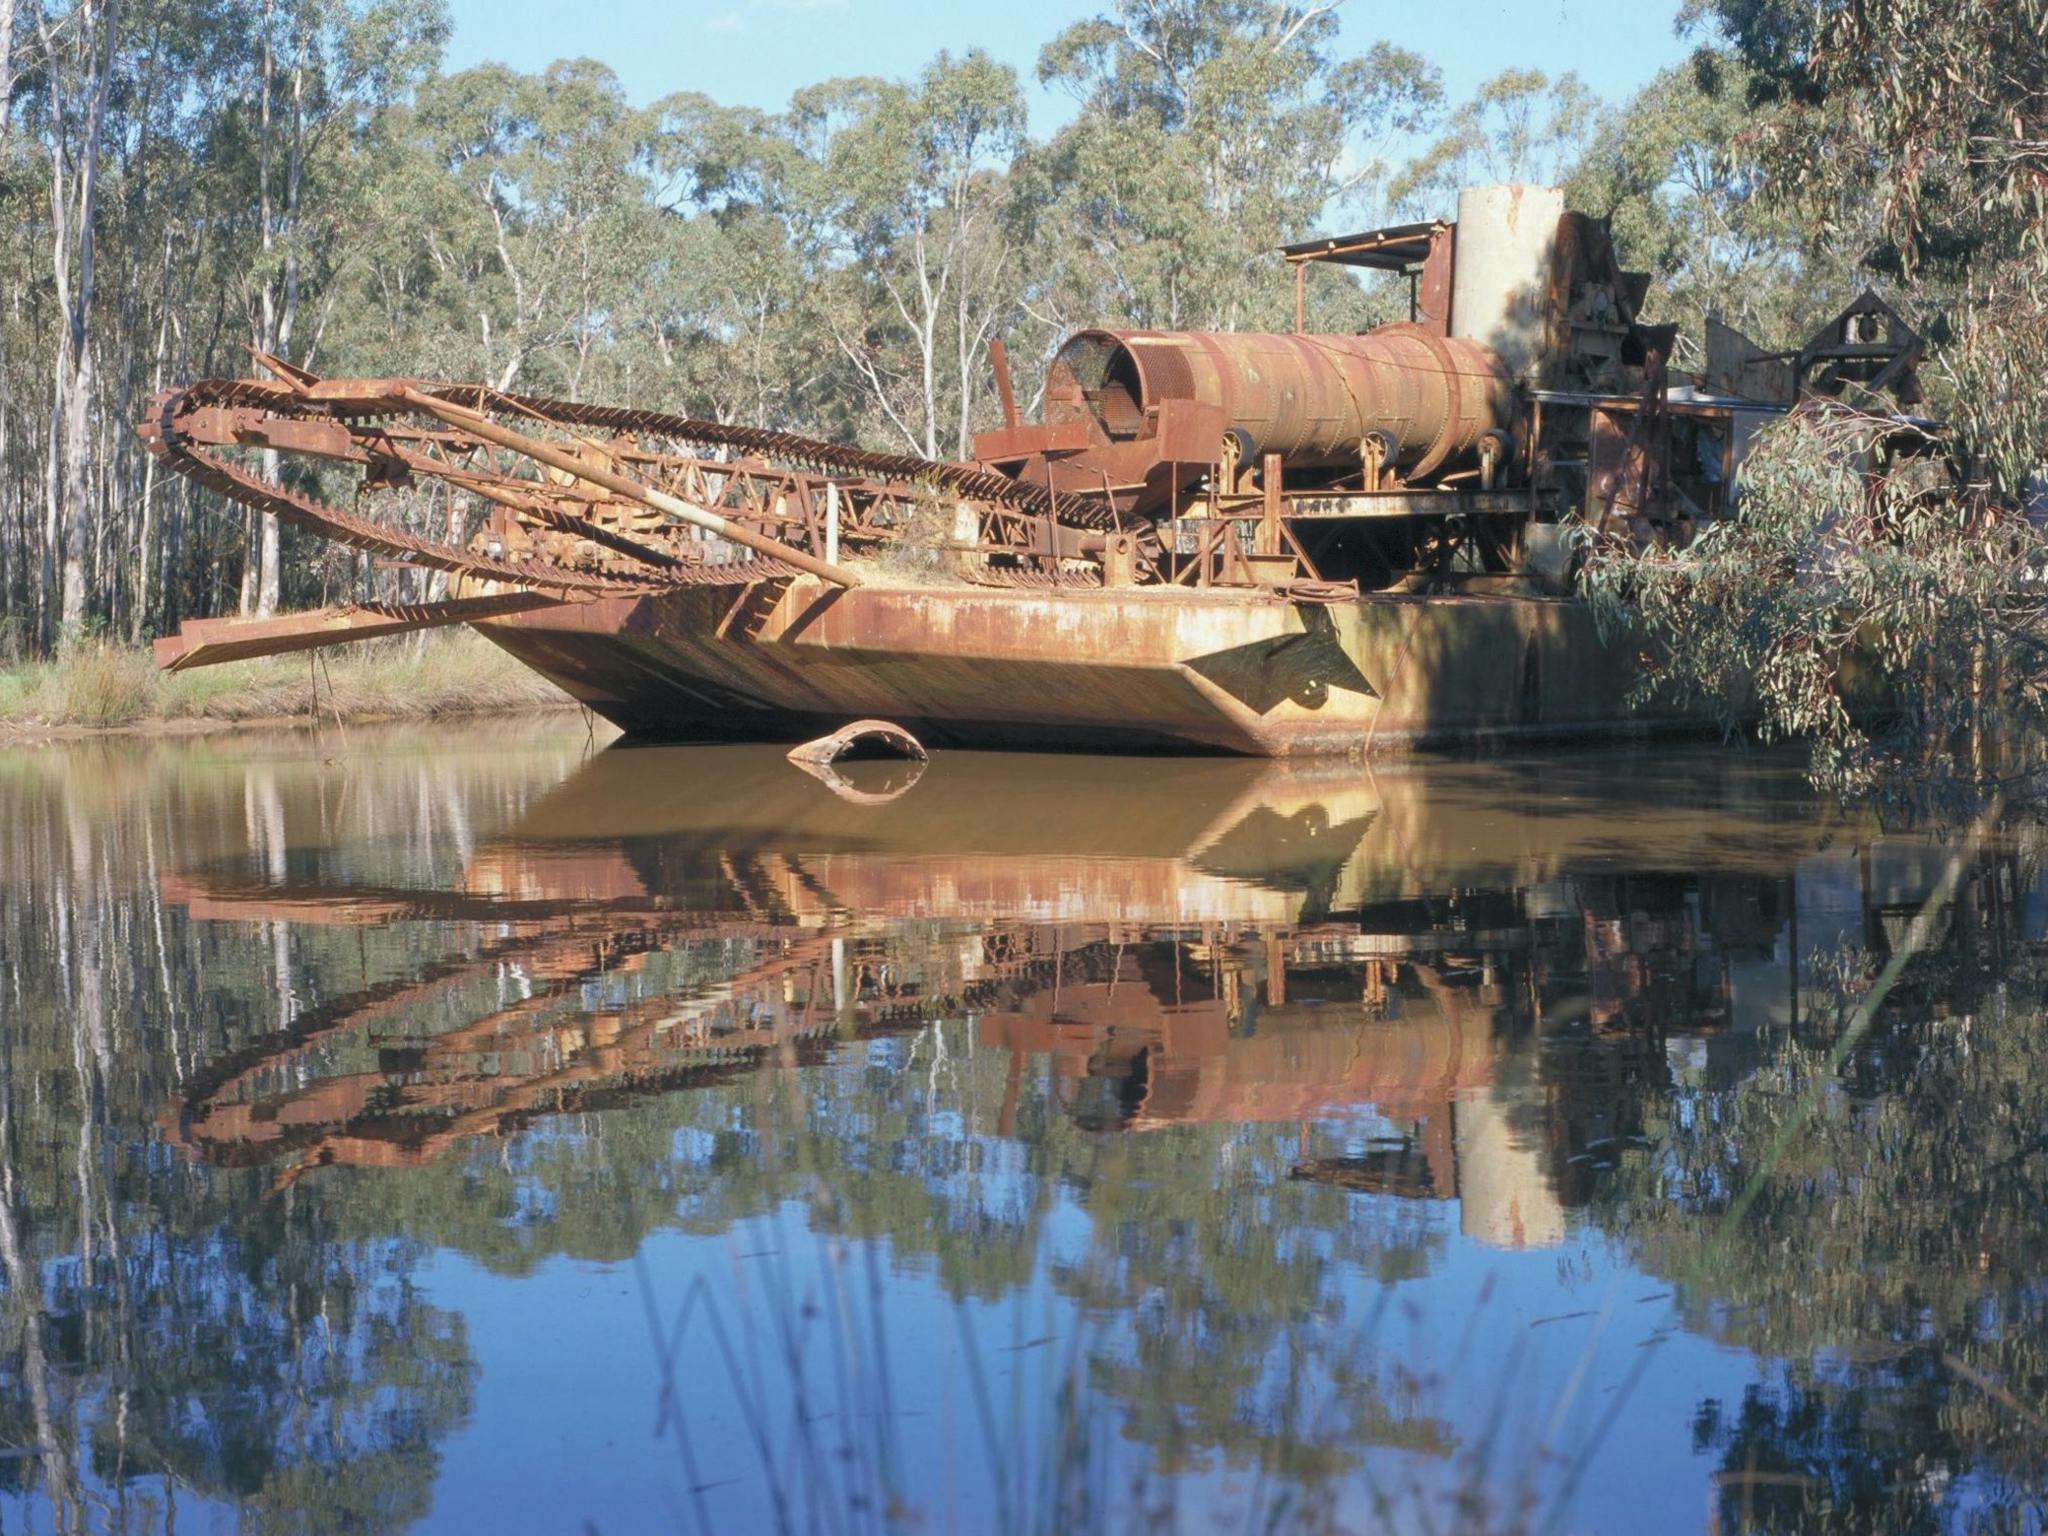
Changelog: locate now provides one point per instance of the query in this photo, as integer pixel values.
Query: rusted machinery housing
(1439, 452)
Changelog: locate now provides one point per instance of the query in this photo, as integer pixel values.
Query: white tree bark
(74, 199)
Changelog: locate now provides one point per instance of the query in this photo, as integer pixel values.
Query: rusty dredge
(1270, 544)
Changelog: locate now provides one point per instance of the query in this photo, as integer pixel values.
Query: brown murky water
(473, 1128)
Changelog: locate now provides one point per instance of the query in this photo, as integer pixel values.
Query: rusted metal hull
(1137, 669)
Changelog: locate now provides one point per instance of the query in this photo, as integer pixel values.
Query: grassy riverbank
(99, 687)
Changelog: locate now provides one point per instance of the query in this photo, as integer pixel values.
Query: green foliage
(1855, 603)
(1930, 118)
(1520, 126)
(1208, 133)
(1879, 594)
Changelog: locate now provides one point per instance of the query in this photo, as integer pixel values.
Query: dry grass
(103, 686)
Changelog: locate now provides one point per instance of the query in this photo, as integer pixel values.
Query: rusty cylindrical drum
(1308, 398)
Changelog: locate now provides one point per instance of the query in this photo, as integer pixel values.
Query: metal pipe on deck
(1312, 399)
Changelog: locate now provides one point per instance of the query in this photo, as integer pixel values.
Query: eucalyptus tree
(1921, 139)
(170, 215)
(733, 324)
(1208, 132)
(105, 138)
(1675, 172)
(547, 216)
(911, 180)
(1520, 125)
(322, 67)
(78, 56)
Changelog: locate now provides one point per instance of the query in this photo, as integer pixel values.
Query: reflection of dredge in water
(1481, 1046)
(1450, 999)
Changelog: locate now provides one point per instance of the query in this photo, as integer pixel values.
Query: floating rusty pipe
(541, 452)
(1311, 399)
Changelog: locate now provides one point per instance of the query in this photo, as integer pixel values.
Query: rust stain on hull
(1238, 672)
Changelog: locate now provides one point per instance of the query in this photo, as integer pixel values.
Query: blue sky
(755, 52)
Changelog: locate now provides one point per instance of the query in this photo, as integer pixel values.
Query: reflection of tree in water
(166, 1327)
(313, 1389)
(1224, 1307)
(166, 1334)
(1891, 1258)
(1208, 1311)
(1238, 1334)
(1824, 1451)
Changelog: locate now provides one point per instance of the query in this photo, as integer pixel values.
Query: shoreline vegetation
(101, 687)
